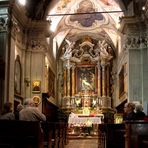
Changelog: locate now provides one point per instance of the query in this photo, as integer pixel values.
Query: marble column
(103, 79)
(99, 80)
(108, 79)
(65, 75)
(105, 99)
(68, 79)
(67, 85)
(73, 81)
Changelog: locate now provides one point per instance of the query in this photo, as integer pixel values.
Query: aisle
(82, 143)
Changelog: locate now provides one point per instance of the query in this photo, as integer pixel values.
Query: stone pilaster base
(105, 102)
(66, 102)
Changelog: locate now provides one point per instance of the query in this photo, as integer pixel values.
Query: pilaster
(135, 33)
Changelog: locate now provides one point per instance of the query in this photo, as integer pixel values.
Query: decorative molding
(3, 22)
(87, 50)
(136, 42)
(37, 45)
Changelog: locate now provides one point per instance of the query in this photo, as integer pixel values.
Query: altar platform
(82, 126)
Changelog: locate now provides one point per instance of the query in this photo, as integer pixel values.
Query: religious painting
(17, 76)
(86, 79)
(121, 82)
(51, 81)
(37, 100)
(36, 86)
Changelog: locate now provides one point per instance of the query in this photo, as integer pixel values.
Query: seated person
(129, 113)
(140, 115)
(18, 109)
(8, 114)
(30, 112)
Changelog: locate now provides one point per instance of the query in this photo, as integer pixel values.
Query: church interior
(83, 59)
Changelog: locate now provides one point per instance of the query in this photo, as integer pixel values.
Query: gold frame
(36, 86)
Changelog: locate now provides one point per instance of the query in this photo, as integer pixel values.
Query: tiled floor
(82, 143)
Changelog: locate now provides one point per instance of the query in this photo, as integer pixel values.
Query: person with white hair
(140, 115)
(30, 112)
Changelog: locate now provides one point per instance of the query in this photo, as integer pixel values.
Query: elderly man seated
(30, 112)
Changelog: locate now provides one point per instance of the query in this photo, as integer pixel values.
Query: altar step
(82, 136)
(82, 143)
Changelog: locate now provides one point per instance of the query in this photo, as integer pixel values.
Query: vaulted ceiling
(78, 19)
(74, 20)
(38, 6)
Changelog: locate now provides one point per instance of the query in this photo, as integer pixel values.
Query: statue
(104, 54)
(68, 51)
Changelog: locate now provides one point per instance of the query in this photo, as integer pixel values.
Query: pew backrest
(137, 134)
(21, 134)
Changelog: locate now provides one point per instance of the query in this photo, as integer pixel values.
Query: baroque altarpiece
(86, 83)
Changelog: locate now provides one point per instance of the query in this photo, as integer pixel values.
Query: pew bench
(20, 134)
(55, 134)
(112, 134)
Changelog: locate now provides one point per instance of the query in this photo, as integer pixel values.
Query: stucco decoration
(135, 42)
(68, 50)
(88, 49)
(3, 22)
(37, 45)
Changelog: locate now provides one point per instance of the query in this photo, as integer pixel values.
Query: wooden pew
(136, 134)
(56, 125)
(20, 134)
(55, 134)
(113, 134)
(51, 137)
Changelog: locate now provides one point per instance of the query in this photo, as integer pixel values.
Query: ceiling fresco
(74, 19)
(110, 8)
(86, 20)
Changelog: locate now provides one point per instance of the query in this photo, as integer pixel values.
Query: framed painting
(37, 100)
(36, 86)
(121, 82)
(17, 76)
(51, 81)
(86, 79)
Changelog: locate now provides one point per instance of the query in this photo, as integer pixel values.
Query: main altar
(84, 81)
(85, 115)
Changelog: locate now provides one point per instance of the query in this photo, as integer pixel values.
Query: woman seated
(129, 112)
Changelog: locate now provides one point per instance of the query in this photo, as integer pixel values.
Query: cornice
(127, 21)
(18, 13)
